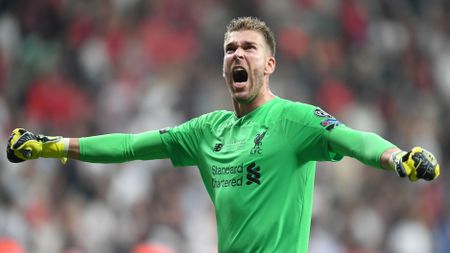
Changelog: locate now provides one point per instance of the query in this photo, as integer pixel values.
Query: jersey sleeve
(366, 147)
(308, 129)
(182, 142)
(118, 147)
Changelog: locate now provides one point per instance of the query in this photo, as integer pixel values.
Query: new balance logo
(253, 174)
(217, 147)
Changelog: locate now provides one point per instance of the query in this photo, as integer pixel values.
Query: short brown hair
(252, 24)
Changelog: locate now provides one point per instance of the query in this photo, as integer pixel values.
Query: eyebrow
(245, 43)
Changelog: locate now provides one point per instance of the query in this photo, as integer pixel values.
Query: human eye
(250, 47)
(230, 49)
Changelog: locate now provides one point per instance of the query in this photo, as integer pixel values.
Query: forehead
(244, 36)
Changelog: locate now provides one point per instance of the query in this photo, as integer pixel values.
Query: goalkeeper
(257, 162)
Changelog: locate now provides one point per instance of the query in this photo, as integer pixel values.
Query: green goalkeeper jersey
(258, 170)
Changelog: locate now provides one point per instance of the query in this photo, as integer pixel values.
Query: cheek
(226, 62)
(258, 67)
(258, 63)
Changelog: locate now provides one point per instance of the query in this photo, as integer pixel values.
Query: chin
(240, 99)
(243, 99)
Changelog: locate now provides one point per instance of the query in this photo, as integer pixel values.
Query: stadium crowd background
(78, 68)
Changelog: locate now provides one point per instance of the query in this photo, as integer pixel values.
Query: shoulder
(216, 116)
(199, 123)
(297, 111)
(308, 115)
(213, 118)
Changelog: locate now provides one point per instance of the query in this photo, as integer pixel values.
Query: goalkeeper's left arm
(372, 150)
(109, 148)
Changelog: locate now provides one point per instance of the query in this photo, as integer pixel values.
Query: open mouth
(240, 75)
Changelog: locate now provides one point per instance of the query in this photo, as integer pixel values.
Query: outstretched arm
(372, 150)
(110, 148)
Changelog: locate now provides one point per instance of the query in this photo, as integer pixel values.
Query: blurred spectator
(410, 236)
(10, 246)
(54, 102)
(334, 96)
(354, 21)
(151, 248)
(293, 42)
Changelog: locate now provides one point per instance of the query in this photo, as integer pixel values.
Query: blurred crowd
(78, 68)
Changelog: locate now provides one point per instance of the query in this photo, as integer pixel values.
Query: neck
(243, 109)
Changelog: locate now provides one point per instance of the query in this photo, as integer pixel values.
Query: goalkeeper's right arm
(110, 148)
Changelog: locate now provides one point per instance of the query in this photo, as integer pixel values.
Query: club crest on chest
(257, 148)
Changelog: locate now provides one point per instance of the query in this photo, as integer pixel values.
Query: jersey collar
(252, 114)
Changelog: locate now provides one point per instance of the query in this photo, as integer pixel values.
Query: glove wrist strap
(395, 163)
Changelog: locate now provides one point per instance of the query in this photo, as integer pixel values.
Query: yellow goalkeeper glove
(24, 145)
(415, 164)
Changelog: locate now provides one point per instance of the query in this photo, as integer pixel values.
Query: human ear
(270, 65)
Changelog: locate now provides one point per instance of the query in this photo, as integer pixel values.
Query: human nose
(238, 53)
